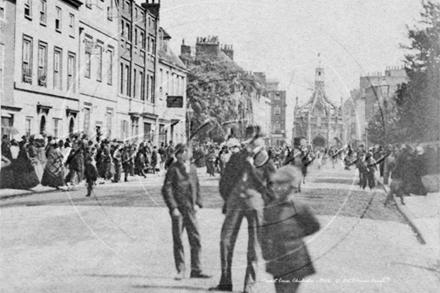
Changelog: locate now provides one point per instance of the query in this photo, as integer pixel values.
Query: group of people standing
(63, 164)
(253, 189)
(400, 166)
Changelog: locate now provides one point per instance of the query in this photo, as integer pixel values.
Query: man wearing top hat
(245, 187)
(181, 192)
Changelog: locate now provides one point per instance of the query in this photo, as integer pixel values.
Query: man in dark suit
(181, 192)
(245, 187)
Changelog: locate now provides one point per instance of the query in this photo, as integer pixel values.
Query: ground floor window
(135, 128)
(109, 124)
(28, 126)
(56, 127)
(71, 126)
(6, 124)
(124, 129)
(147, 131)
(86, 120)
(162, 134)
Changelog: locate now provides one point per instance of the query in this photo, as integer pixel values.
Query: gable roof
(169, 56)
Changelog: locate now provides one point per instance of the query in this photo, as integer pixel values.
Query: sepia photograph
(178, 146)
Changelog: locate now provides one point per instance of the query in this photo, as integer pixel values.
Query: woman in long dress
(25, 176)
(54, 171)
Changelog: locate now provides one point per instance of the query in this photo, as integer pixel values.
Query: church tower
(319, 79)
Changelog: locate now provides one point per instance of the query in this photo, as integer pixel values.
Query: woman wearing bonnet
(54, 171)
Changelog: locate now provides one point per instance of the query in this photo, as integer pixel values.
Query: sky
(283, 38)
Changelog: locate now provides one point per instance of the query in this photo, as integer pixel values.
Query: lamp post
(189, 116)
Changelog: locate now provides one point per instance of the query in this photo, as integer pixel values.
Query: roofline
(163, 61)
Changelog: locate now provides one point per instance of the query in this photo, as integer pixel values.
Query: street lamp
(189, 116)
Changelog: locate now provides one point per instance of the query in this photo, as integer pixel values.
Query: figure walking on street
(91, 174)
(117, 159)
(127, 161)
(54, 171)
(244, 187)
(181, 192)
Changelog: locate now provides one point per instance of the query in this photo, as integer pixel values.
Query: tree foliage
(417, 102)
(221, 91)
(384, 131)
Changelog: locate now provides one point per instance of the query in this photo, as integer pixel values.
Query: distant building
(172, 79)
(374, 90)
(263, 109)
(351, 119)
(278, 113)
(138, 63)
(319, 120)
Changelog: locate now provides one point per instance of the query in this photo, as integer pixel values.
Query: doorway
(71, 126)
(43, 124)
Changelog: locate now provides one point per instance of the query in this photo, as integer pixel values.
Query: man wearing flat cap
(181, 192)
(245, 187)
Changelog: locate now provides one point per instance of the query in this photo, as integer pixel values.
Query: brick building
(278, 113)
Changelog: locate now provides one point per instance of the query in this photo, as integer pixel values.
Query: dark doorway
(43, 124)
(71, 126)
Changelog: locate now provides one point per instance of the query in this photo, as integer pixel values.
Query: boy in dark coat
(154, 159)
(286, 222)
